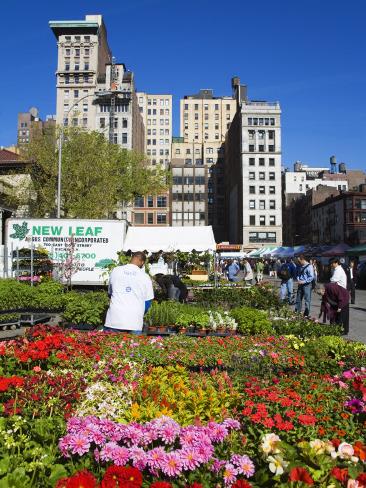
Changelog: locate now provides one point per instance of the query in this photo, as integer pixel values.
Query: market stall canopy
(288, 252)
(338, 250)
(228, 255)
(169, 239)
(263, 251)
(357, 251)
(277, 251)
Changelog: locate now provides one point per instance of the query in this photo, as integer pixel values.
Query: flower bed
(95, 409)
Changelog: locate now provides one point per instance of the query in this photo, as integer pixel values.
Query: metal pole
(60, 142)
(31, 263)
(12, 260)
(215, 269)
(59, 172)
(17, 275)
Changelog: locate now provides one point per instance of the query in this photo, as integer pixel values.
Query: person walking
(353, 278)
(335, 305)
(248, 278)
(314, 264)
(232, 270)
(305, 277)
(338, 275)
(271, 267)
(277, 267)
(259, 267)
(286, 274)
(131, 293)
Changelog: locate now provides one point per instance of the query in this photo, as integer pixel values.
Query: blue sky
(310, 55)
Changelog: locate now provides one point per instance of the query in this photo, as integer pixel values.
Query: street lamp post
(60, 142)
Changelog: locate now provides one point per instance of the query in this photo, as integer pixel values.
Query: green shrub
(13, 294)
(48, 295)
(86, 308)
(9, 317)
(323, 354)
(303, 327)
(164, 313)
(251, 321)
(262, 297)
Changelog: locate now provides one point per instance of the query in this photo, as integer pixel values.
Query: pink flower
(37, 369)
(139, 458)
(231, 424)
(190, 458)
(171, 465)
(63, 445)
(168, 434)
(216, 432)
(155, 457)
(96, 455)
(244, 465)
(120, 456)
(107, 453)
(217, 465)
(230, 473)
(79, 444)
(205, 452)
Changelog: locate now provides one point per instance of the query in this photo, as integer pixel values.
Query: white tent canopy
(170, 239)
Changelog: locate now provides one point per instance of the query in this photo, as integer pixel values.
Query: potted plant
(183, 321)
(202, 322)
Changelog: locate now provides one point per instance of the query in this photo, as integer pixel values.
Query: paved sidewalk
(357, 324)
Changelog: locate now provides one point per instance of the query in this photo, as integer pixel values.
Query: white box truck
(96, 243)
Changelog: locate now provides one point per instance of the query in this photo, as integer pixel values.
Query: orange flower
(360, 450)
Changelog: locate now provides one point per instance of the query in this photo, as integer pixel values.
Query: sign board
(229, 247)
(96, 242)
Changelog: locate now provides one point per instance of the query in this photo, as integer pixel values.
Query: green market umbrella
(357, 251)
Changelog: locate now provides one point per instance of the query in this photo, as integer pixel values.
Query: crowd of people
(337, 292)
(131, 289)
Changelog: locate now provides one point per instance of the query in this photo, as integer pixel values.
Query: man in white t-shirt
(338, 274)
(131, 292)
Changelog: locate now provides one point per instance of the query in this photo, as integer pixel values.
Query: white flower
(320, 447)
(269, 443)
(277, 464)
(345, 451)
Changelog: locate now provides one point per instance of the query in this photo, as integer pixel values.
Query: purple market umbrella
(338, 250)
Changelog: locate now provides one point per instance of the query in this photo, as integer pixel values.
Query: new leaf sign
(96, 242)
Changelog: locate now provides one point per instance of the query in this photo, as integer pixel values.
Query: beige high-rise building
(93, 91)
(31, 125)
(156, 113)
(83, 54)
(119, 119)
(198, 192)
(204, 117)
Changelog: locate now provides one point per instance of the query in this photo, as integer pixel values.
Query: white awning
(169, 239)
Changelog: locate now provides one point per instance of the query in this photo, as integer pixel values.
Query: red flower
(335, 442)
(121, 477)
(81, 479)
(195, 485)
(340, 474)
(361, 478)
(241, 484)
(301, 474)
(307, 419)
(161, 484)
(6, 383)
